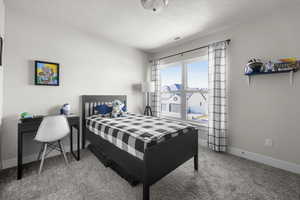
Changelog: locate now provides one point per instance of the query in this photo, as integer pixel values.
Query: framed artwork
(1, 50)
(46, 73)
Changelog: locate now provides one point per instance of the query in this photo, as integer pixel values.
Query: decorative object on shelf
(1, 50)
(248, 70)
(46, 73)
(148, 87)
(287, 64)
(254, 66)
(154, 5)
(288, 60)
(269, 66)
(65, 109)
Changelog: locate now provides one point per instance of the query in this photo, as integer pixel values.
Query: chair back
(53, 128)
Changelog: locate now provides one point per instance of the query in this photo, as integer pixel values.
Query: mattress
(134, 132)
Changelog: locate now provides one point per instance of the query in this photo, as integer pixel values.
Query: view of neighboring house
(197, 108)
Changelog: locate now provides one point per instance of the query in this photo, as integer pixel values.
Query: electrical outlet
(268, 142)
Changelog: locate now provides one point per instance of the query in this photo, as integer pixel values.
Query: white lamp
(148, 87)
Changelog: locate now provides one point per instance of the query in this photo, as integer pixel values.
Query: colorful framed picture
(46, 73)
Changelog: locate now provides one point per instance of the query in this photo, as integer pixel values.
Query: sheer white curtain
(217, 110)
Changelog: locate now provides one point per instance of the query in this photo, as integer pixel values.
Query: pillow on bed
(103, 109)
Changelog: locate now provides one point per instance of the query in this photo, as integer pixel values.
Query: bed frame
(159, 160)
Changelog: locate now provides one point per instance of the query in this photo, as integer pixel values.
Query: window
(184, 90)
(171, 77)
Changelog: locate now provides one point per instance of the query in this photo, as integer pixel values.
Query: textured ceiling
(125, 21)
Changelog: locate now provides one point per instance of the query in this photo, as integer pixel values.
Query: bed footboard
(163, 158)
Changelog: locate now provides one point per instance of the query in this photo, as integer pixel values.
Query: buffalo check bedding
(133, 133)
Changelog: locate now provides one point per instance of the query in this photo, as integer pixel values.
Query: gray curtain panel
(217, 108)
(155, 97)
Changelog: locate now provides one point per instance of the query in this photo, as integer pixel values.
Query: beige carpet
(220, 177)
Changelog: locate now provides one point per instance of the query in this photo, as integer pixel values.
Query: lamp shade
(148, 86)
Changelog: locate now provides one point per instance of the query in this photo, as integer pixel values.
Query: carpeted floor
(220, 177)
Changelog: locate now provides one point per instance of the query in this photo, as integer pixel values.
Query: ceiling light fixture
(154, 5)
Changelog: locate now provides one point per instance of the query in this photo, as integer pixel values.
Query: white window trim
(184, 89)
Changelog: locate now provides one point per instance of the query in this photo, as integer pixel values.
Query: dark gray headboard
(89, 102)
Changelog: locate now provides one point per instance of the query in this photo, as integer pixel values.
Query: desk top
(39, 118)
(33, 124)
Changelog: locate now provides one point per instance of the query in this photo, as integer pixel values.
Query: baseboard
(30, 158)
(288, 166)
(281, 164)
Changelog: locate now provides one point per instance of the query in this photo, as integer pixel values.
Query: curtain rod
(191, 50)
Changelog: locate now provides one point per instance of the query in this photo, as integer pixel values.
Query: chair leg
(43, 157)
(40, 152)
(63, 151)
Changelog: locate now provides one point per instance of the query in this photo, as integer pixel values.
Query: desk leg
(20, 155)
(71, 139)
(83, 137)
(77, 157)
(78, 143)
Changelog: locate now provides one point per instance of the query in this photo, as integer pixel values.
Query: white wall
(269, 108)
(2, 15)
(89, 65)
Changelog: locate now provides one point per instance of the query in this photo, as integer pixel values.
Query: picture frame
(46, 73)
(1, 50)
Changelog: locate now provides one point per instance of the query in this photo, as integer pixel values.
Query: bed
(141, 149)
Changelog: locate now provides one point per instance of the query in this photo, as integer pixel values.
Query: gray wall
(89, 65)
(269, 108)
(2, 15)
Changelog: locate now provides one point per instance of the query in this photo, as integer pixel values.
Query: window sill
(186, 121)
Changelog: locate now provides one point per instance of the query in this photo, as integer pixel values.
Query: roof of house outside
(176, 87)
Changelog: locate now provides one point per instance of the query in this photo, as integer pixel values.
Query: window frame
(184, 88)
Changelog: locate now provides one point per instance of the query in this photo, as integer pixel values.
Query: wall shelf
(272, 72)
(279, 68)
(290, 71)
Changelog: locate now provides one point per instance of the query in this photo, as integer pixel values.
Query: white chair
(52, 130)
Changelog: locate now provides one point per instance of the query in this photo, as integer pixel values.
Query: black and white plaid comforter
(134, 133)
